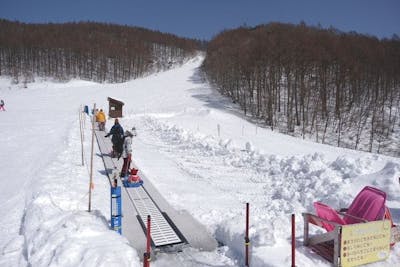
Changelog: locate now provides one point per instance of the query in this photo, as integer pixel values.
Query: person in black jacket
(117, 138)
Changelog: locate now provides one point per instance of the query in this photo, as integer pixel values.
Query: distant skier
(117, 133)
(127, 153)
(2, 105)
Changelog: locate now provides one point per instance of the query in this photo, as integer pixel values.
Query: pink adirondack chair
(368, 205)
(327, 213)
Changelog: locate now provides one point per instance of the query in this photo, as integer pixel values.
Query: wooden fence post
(81, 129)
(91, 162)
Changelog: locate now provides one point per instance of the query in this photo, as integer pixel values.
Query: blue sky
(205, 18)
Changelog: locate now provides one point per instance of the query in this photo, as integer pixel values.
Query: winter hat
(134, 131)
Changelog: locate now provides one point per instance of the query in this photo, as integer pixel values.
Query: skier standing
(117, 133)
(127, 153)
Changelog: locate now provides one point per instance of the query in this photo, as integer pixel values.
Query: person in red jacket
(2, 105)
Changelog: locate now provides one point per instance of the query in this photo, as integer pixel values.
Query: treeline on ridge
(86, 50)
(339, 88)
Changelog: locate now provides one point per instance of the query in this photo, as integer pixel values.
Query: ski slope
(197, 148)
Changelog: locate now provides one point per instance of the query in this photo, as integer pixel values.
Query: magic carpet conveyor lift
(171, 230)
(164, 233)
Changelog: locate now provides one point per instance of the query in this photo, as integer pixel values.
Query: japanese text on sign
(365, 243)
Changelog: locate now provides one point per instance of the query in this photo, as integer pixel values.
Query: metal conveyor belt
(163, 232)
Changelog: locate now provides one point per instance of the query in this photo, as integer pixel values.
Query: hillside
(328, 86)
(209, 173)
(87, 50)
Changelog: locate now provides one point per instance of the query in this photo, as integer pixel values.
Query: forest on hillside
(86, 50)
(336, 88)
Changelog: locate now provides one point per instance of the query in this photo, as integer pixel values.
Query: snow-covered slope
(199, 151)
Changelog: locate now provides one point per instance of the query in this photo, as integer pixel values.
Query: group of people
(122, 145)
(2, 105)
(121, 140)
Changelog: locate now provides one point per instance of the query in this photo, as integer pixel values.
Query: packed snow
(199, 150)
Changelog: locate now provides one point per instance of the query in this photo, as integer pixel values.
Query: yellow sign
(365, 243)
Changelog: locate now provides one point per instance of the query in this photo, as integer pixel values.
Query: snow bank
(58, 230)
(276, 186)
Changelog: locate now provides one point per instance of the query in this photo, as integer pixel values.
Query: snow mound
(56, 228)
(276, 186)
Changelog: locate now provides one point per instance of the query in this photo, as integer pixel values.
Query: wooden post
(246, 238)
(81, 129)
(91, 163)
(83, 125)
(306, 217)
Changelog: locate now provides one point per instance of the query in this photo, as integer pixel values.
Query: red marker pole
(147, 258)
(293, 241)
(246, 238)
